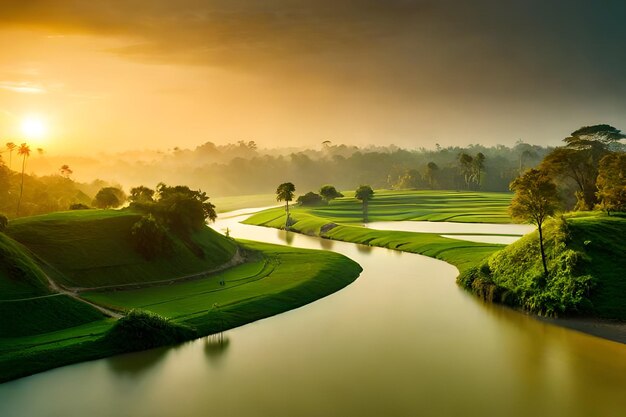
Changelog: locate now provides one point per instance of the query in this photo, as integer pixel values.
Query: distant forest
(243, 168)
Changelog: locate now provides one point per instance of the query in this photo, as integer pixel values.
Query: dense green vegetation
(586, 263)
(92, 248)
(41, 329)
(338, 220)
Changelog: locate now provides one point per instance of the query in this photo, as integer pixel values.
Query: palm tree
(24, 151)
(10, 146)
(364, 193)
(285, 192)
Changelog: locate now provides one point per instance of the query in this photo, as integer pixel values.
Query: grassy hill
(91, 248)
(27, 304)
(586, 262)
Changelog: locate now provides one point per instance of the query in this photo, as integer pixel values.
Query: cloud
(23, 87)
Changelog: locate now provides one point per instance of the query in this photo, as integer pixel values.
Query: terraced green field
(340, 219)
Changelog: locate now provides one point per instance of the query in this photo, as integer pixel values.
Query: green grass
(20, 276)
(586, 263)
(396, 205)
(453, 206)
(91, 248)
(283, 278)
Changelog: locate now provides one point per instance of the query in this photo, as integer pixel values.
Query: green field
(345, 214)
(41, 328)
(223, 204)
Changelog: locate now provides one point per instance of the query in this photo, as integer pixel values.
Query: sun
(33, 127)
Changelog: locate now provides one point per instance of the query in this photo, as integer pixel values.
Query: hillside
(586, 266)
(92, 248)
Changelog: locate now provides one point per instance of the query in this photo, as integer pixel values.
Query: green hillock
(92, 248)
(586, 262)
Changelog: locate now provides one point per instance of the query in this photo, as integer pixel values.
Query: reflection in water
(134, 364)
(364, 248)
(215, 347)
(286, 236)
(327, 244)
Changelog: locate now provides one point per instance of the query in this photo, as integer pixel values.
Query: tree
(141, 195)
(431, 174)
(109, 197)
(535, 200)
(479, 167)
(611, 183)
(466, 163)
(329, 193)
(11, 147)
(364, 194)
(285, 192)
(310, 199)
(579, 160)
(182, 209)
(65, 171)
(24, 151)
(150, 238)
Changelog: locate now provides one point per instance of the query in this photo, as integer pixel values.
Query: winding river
(403, 340)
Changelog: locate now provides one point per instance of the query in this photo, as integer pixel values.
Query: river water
(402, 340)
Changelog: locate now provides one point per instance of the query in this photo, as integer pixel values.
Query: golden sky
(137, 74)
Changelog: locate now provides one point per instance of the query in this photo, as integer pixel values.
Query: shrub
(311, 199)
(79, 206)
(140, 330)
(4, 222)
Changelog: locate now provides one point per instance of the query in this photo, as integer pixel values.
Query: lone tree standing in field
(364, 193)
(535, 200)
(285, 192)
(109, 197)
(329, 192)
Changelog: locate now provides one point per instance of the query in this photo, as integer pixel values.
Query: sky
(148, 74)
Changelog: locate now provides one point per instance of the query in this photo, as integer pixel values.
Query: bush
(79, 206)
(140, 330)
(151, 239)
(109, 197)
(311, 199)
(4, 222)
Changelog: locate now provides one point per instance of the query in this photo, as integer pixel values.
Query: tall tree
(579, 160)
(65, 171)
(364, 194)
(612, 182)
(431, 174)
(285, 192)
(479, 167)
(24, 151)
(535, 200)
(11, 147)
(466, 163)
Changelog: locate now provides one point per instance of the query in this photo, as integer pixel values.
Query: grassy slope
(92, 248)
(395, 205)
(27, 306)
(586, 263)
(52, 329)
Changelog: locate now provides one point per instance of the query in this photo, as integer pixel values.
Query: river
(402, 340)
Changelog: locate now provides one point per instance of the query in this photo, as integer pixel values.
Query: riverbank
(43, 329)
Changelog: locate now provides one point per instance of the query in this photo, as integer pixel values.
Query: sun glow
(33, 127)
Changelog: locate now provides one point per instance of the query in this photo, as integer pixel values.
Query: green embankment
(337, 221)
(586, 263)
(92, 248)
(41, 329)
